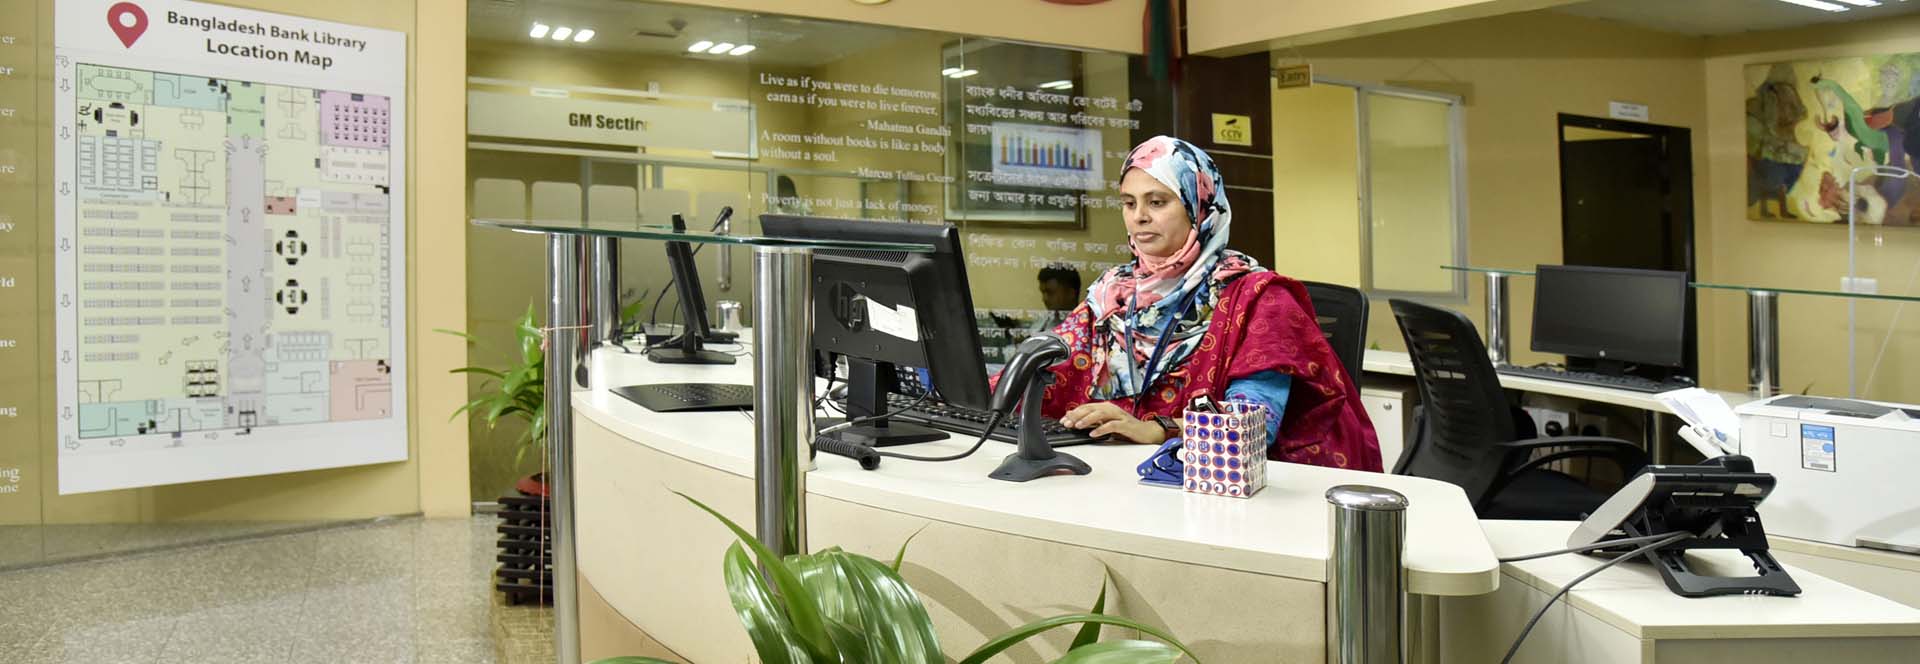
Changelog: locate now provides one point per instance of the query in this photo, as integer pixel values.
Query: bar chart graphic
(1047, 156)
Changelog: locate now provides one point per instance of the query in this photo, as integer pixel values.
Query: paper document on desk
(1710, 418)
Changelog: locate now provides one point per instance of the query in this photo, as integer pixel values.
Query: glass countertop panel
(1809, 291)
(633, 231)
(1488, 270)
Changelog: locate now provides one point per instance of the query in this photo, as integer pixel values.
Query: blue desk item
(1163, 467)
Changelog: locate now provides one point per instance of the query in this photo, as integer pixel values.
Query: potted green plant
(517, 391)
(835, 607)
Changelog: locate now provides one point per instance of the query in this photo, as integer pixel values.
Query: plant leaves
(1122, 652)
(800, 607)
(470, 338)
(1090, 632)
(479, 370)
(629, 659)
(759, 612)
(901, 557)
(872, 600)
(1002, 642)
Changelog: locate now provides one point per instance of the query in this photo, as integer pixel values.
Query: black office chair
(1469, 434)
(1341, 312)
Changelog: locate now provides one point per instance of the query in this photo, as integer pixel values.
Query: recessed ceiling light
(721, 47)
(742, 49)
(1863, 3)
(963, 73)
(539, 30)
(1057, 85)
(949, 71)
(583, 35)
(700, 46)
(1817, 4)
(561, 33)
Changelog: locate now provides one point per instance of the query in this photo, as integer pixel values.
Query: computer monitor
(1613, 316)
(884, 310)
(689, 347)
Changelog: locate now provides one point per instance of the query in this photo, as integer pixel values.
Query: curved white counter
(1240, 580)
(1274, 545)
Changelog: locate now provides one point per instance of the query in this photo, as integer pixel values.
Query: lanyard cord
(1160, 346)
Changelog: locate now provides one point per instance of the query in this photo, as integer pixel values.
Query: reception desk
(1240, 580)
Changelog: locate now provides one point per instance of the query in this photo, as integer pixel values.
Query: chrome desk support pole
(1499, 334)
(604, 259)
(724, 280)
(1366, 575)
(565, 276)
(783, 394)
(1763, 343)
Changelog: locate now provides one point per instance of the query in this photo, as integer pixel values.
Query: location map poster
(229, 225)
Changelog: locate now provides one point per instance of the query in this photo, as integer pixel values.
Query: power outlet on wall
(1550, 422)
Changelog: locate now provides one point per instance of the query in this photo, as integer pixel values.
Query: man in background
(1059, 292)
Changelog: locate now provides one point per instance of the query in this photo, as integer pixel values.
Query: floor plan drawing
(232, 264)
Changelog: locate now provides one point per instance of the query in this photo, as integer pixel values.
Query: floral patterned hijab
(1149, 314)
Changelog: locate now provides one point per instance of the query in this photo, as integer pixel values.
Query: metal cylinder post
(1366, 580)
(724, 280)
(603, 260)
(1763, 343)
(1499, 334)
(783, 394)
(566, 274)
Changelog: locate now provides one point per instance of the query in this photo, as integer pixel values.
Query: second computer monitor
(905, 309)
(1614, 315)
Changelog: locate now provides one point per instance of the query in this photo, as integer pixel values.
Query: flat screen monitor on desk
(1611, 319)
(885, 309)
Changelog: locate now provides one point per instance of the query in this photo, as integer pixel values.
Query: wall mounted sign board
(230, 223)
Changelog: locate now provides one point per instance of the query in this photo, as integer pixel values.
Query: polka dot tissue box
(1225, 453)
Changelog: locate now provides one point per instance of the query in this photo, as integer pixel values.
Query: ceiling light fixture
(1862, 3)
(700, 46)
(742, 49)
(963, 73)
(949, 71)
(1822, 5)
(539, 30)
(1057, 85)
(721, 47)
(561, 33)
(585, 34)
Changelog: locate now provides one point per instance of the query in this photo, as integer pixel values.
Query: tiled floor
(409, 590)
(23, 546)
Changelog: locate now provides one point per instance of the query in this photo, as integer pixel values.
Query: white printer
(1848, 471)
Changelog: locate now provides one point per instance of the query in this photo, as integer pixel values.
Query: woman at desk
(1188, 317)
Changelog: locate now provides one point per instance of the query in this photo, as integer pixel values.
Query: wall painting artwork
(1816, 126)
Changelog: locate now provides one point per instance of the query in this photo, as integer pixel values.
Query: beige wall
(1235, 27)
(433, 479)
(1813, 330)
(1516, 72)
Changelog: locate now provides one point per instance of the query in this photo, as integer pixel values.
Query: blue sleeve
(1266, 387)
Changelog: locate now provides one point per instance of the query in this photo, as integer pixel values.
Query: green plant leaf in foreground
(872, 600)
(759, 612)
(1000, 643)
(804, 614)
(1090, 632)
(1122, 652)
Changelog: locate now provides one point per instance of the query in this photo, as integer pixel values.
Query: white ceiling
(1725, 17)
(633, 27)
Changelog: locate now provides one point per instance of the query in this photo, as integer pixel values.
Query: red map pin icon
(128, 21)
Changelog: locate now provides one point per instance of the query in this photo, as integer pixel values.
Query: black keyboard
(1631, 383)
(684, 397)
(968, 423)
